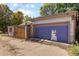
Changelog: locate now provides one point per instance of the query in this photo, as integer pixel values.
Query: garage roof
(72, 13)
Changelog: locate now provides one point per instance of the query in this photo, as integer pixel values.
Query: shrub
(75, 50)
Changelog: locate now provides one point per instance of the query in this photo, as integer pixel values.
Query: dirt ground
(18, 47)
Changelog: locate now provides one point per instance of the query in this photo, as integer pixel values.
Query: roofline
(71, 13)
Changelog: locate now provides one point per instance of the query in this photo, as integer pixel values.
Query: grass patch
(74, 50)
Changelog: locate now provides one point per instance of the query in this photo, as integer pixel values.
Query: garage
(58, 27)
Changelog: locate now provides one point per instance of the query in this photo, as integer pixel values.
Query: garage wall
(53, 20)
(72, 28)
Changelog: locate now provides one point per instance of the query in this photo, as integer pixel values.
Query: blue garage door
(45, 32)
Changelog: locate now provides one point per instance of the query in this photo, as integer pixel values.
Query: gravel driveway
(18, 47)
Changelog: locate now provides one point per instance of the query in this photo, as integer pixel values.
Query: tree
(17, 18)
(7, 17)
(52, 8)
(27, 19)
(5, 14)
(46, 9)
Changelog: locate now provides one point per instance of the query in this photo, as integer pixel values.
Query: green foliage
(75, 50)
(52, 8)
(14, 21)
(47, 7)
(7, 17)
(5, 14)
(17, 18)
(26, 19)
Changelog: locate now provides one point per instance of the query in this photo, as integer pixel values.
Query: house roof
(72, 13)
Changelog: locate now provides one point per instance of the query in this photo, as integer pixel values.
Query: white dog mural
(53, 35)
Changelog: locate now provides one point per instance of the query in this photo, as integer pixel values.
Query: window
(10, 29)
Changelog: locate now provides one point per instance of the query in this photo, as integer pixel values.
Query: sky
(30, 9)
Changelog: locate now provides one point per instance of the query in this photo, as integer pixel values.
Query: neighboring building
(19, 31)
(58, 27)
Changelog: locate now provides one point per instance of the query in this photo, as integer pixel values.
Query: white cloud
(27, 5)
(15, 4)
(32, 6)
(30, 13)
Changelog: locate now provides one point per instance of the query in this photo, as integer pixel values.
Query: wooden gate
(20, 32)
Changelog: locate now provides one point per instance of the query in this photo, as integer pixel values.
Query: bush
(75, 50)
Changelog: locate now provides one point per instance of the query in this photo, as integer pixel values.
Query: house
(58, 27)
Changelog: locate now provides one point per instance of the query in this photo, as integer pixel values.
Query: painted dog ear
(54, 30)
